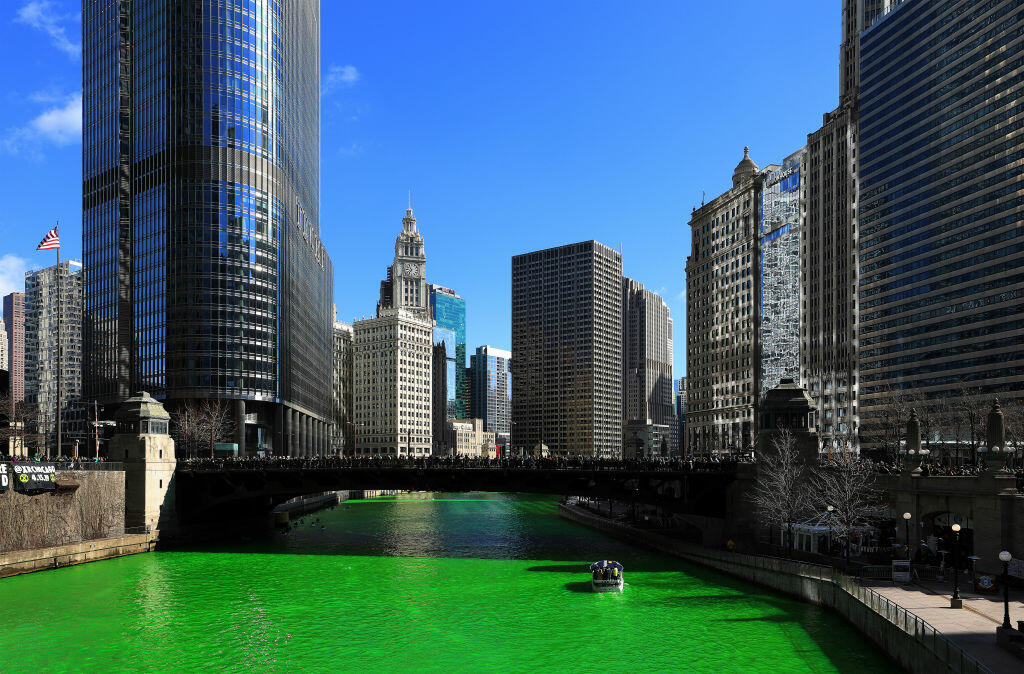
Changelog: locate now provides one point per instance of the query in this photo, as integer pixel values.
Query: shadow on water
(578, 587)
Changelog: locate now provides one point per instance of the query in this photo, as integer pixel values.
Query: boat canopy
(605, 564)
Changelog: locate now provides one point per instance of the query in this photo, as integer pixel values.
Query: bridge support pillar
(289, 432)
(305, 435)
(279, 447)
(239, 414)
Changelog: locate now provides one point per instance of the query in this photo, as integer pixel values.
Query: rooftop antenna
(410, 200)
(702, 197)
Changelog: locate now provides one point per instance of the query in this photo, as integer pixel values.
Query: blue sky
(517, 126)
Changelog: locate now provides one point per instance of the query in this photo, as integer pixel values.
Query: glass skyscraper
(941, 206)
(205, 274)
(448, 310)
(491, 390)
(779, 257)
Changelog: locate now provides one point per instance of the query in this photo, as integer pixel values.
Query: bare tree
(782, 491)
(19, 426)
(848, 486)
(197, 424)
(1013, 420)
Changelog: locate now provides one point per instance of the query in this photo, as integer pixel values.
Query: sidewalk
(973, 627)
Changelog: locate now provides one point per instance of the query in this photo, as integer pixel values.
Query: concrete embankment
(26, 561)
(909, 640)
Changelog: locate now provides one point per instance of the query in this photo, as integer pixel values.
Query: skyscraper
(393, 372)
(940, 204)
(490, 388)
(646, 365)
(343, 422)
(448, 310)
(742, 290)
(205, 274)
(722, 290)
(567, 350)
(828, 263)
(14, 326)
(43, 357)
(779, 272)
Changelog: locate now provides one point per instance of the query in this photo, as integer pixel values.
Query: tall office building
(44, 307)
(441, 371)
(646, 368)
(490, 385)
(3, 350)
(567, 350)
(205, 276)
(343, 421)
(14, 327)
(392, 406)
(393, 372)
(448, 310)
(828, 261)
(722, 291)
(779, 272)
(940, 205)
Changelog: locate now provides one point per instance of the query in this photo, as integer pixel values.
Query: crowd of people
(669, 464)
(62, 462)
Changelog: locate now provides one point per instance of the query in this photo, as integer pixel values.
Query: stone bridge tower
(145, 446)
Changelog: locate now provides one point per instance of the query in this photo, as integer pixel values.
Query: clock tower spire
(406, 285)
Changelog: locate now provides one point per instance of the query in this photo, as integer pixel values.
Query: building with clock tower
(406, 284)
(393, 357)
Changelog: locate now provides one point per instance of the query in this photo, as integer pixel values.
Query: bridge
(209, 490)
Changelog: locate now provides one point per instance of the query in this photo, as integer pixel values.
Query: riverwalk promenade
(884, 612)
(972, 627)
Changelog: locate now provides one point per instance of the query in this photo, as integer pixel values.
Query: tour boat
(606, 576)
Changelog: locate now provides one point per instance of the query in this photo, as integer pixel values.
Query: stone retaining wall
(87, 505)
(26, 561)
(907, 639)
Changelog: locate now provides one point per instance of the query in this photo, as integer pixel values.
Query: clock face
(411, 269)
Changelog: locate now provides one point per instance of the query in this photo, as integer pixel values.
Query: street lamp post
(1005, 558)
(956, 602)
(906, 532)
(828, 517)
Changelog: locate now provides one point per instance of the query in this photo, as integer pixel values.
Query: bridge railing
(90, 465)
(301, 463)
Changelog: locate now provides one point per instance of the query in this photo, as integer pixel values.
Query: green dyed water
(474, 583)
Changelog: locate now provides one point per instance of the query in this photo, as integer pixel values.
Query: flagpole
(60, 346)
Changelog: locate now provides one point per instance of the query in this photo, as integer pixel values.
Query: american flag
(50, 241)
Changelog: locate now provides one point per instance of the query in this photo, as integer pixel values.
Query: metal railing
(90, 465)
(921, 630)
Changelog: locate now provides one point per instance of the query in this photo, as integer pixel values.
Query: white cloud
(339, 77)
(60, 125)
(63, 124)
(12, 274)
(42, 15)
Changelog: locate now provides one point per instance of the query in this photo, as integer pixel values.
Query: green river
(437, 582)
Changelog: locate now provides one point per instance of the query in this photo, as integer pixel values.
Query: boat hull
(614, 585)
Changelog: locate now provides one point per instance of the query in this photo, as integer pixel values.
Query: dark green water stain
(483, 583)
